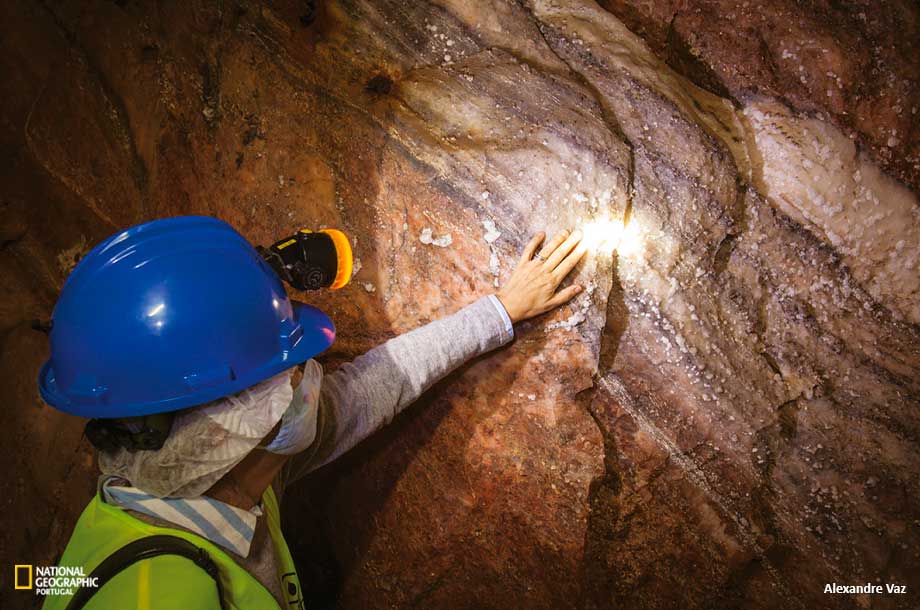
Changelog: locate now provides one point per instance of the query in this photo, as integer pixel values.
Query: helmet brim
(318, 335)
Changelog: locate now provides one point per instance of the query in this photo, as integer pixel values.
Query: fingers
(563, 296)
(569, 262)
(563, 250)
(553, 244)
(531, 247)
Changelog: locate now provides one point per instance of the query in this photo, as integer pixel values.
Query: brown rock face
(854, 62)
(726, 418)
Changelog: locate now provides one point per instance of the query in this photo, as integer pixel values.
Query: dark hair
(147, 433)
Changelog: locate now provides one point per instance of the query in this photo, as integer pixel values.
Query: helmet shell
(170, 314)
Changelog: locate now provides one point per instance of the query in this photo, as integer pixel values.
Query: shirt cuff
(509, 327)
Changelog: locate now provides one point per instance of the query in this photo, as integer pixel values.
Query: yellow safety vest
(147, 567)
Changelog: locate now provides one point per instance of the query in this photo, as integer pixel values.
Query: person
(182, 345)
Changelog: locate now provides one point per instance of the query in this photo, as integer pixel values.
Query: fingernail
(578, 288)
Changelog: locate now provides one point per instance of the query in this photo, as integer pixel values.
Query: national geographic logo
(22, 576)
(52, 580)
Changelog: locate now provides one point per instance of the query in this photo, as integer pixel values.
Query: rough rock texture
(727, 417)
(853, 62)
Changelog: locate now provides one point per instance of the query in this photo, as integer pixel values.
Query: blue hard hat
(170, 314)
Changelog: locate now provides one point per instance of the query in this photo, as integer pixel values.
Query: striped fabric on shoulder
(223, 524)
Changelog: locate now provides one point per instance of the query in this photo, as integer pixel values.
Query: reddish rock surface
(855, 62)
(727, 418)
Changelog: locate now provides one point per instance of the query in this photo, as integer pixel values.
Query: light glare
(630, 241)
(602, 235)
(606, 235)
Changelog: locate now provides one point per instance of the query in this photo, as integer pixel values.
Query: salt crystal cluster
(427, 238)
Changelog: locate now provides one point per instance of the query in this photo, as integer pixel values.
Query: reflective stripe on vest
(171, 581)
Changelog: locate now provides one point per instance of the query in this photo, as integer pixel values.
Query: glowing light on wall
(605, 235)
(631, 242)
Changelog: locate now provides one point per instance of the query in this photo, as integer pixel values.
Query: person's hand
(532, 287)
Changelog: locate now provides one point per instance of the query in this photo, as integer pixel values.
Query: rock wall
(726, 418)
(854, 63)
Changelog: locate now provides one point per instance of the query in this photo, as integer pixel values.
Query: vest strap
(148, 548)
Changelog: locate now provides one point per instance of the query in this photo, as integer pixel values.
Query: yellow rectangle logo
(19, 568)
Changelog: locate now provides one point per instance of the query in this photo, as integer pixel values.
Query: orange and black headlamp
(310, 260)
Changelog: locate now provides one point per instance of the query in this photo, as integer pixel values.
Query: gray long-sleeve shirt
(364, 395)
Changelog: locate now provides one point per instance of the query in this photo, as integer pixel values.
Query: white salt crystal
(427, 238)
(491, 232)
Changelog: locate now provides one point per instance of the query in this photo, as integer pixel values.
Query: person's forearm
(362, 396)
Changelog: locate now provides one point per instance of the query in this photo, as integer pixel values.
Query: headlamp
(310, 260)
